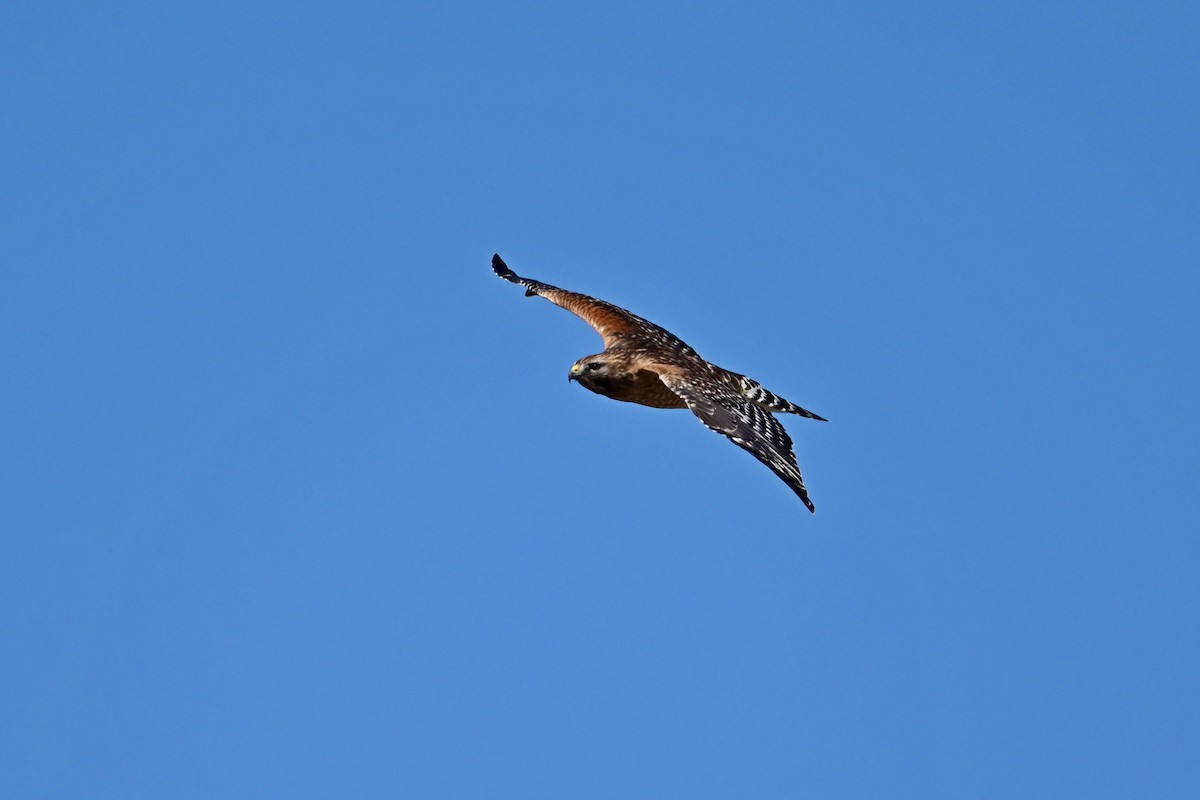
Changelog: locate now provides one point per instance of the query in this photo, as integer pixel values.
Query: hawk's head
(597, 372)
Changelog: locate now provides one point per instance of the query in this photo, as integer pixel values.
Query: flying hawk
(642, 363)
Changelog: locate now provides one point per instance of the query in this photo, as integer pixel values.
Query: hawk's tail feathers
(754, 391)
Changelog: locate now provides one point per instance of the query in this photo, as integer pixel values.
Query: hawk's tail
(772, 402)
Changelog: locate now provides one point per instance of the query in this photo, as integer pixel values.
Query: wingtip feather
(501, 269)
(802, 493)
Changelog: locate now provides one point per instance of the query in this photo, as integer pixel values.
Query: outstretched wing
(614, 323)
(747, 425)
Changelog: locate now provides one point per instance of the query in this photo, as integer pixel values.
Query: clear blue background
(296, 501)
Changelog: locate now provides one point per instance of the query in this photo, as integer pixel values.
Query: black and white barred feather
(754, 391)
(748, 425)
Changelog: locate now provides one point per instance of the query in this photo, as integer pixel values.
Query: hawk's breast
(644, 388)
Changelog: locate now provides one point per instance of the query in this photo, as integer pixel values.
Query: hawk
(642, 363)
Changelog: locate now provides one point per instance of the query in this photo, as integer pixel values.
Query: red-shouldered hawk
(642, 363)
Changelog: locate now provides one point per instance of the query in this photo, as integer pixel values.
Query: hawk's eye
(594, 365)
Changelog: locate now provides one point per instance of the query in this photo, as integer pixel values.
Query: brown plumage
(644, 364)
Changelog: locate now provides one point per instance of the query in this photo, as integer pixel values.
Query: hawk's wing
(749, 426)
(614, 323)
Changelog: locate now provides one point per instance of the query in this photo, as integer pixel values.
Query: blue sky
(297, 502)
